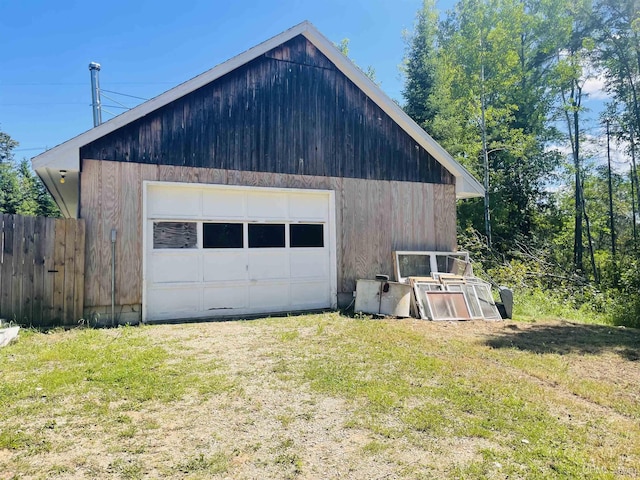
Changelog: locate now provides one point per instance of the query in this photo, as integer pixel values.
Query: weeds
(212, 465)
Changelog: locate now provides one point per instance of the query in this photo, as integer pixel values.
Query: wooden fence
(41, 270)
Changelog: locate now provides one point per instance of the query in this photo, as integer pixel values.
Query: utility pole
(485, 153)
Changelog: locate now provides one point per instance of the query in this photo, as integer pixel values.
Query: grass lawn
(323, 396)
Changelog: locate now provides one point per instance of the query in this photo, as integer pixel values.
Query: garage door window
(306, 235)
(175, 235)
(222, 235)
(266, 235)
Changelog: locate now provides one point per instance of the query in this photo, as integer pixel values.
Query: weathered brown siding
(373, 218)
(289, 111)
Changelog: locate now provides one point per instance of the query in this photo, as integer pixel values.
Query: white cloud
(594, 152)
(595, 88)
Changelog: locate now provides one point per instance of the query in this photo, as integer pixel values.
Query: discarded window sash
(423, 264)
(435, 304)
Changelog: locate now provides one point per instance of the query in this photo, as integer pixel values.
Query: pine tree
(420, 67)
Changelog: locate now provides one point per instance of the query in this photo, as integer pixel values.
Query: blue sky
(147, 47)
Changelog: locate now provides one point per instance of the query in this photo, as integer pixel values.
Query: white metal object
(7, 335)
(208, 282)
(383, 298)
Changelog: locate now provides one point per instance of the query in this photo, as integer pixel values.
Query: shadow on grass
(570, 338)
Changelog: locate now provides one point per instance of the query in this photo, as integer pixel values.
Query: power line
(113, 100)
(50, 84)
(110, 113)
(123, 94)
(40, 104)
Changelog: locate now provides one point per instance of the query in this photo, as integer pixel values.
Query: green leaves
(499, 51)
(21, 191)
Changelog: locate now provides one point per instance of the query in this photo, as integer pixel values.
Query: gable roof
(66, 156)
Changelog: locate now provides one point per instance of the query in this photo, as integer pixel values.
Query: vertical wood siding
(288, 111)
(373, 218)
(41, 270)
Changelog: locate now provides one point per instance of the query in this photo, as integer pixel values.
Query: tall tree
(573, 57)
(619, 52)
(485, 77)
(420, 66)
(7, 144)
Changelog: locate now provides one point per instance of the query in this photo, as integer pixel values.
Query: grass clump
(201, 463)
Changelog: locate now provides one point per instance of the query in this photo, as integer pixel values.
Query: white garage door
(213, 250)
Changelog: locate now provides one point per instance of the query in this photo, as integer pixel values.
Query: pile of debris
(432, 286)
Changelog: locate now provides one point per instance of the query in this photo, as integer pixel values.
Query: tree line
(21, 190)
(500, 84)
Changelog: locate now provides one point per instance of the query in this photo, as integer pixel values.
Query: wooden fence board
(6, 268)
(48, 244)
(16, 307)
(26, 271)
(41, 270)
(78, 274)
(58, 274)
(69, 270)
(39, 231)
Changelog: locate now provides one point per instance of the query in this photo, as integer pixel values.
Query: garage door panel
(309, 262)
(224, 204)
(269, 296)
(174, 202)
(224, 266)
(308, 207)
(225, 299)
(268, 264)
(262, 205)
(310, 294)
(174, 268)
(174, 302)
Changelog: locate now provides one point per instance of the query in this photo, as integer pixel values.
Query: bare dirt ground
(273, 425)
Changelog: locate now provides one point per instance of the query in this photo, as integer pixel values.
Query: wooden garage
(269, 183)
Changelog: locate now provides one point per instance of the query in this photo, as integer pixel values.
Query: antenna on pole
(94, 68)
